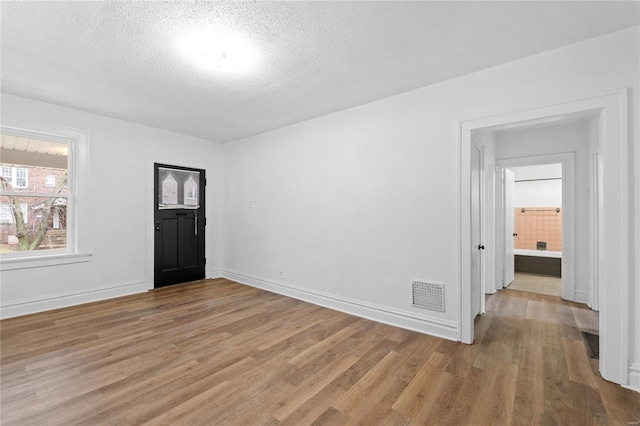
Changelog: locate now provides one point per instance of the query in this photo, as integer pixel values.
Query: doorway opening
(607, 253)
(537, 229)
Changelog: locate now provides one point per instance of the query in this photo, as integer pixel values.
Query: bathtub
(538, 253)
(540, 262)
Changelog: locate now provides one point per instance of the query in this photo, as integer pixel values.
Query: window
(20, 180)
(50, 181)
(43, 196)
(31, 232)
(6, 215)
(16, 176)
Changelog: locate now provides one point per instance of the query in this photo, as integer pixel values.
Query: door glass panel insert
(178, 189)
(190, 192)
(169, 191)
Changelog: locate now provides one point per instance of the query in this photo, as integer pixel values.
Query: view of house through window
(33, 194)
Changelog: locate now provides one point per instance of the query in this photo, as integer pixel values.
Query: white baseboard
(214, 273)
(63, 300)
(634, 377)
(581, 297)
(445, 329)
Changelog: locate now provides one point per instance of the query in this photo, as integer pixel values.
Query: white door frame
(477, 144)
(595, 218)
(614, 242)
(508, 191)
(568, 211)
(488, 226)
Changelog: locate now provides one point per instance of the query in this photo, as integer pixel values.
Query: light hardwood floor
(533, 283)
(218, 352)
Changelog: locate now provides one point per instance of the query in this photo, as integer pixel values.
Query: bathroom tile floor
(541, 284)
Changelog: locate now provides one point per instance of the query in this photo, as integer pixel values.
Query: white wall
(540, 193)
(353, 205)
(543, 171)
(121, 155)
(533, 187)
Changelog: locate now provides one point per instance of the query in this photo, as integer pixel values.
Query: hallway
(557, 381)
(534, 283)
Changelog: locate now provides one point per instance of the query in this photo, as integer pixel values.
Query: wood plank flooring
(534, 283)
(217, 352)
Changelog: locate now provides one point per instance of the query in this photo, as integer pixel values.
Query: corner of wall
(214, 273)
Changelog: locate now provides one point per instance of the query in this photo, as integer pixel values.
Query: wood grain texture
(218, 352)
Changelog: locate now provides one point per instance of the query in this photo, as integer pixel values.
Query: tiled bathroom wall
(538, 225)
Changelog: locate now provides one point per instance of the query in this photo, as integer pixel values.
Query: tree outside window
(33, 212)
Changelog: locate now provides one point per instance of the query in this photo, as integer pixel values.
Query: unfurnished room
(327, 213)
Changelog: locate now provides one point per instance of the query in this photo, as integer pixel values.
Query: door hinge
(205, 221)
(205, 260)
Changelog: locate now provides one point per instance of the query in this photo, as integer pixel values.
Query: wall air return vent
(428, 295)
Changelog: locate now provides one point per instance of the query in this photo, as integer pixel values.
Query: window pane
(7, 173)
(41, 180)
(178, 189)
(5, 213)
(32, 223)
(50, 181)
(7, 216)
(20, 180)
(34, 166)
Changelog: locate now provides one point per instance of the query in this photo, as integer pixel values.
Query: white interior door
(509, 250)
(476, 243)
(488, 226)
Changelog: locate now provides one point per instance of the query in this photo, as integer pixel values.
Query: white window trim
(78, 235)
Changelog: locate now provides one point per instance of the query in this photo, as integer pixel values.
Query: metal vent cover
(428, 295)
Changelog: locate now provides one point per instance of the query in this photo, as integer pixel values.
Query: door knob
(158, 228)
(515, 235)
(480, 247)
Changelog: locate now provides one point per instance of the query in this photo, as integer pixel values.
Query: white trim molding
(73, 298)
(43, 261)
(613, 246)
(581, 297)
(634, 377)
(404, 319)
(214, 273)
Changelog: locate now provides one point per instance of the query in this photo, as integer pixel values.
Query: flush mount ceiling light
(226, 53)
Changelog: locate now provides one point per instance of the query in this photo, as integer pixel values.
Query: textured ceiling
(120, 58)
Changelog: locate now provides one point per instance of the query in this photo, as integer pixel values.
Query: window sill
(43, 261)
